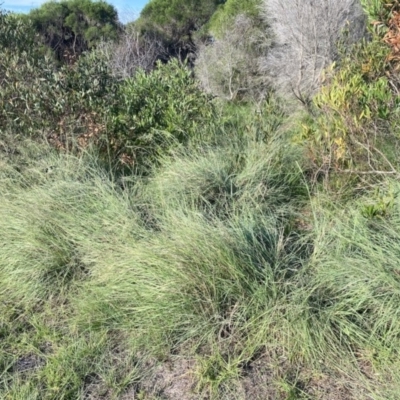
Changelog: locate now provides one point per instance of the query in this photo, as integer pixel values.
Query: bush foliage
(71, 27)
(176, 22)
(224, 17)
(158, 110)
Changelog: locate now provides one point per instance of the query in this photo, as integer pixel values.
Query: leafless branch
(228, 66)
(306, 38)
(132, 52)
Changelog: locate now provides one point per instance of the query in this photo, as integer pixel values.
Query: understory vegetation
(201, 208)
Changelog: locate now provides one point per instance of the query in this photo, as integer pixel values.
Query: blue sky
(127, 9)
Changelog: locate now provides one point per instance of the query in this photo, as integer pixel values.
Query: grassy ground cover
(218, 270)
(253, 255)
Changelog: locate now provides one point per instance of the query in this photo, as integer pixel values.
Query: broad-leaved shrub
(157, 110)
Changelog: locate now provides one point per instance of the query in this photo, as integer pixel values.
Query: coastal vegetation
(201, 204)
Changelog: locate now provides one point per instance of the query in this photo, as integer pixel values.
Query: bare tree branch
(132, 52)
(228, 66)
(307, 34)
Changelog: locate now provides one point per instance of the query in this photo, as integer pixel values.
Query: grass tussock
(230, 179)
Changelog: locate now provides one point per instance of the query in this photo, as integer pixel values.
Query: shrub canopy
(175, 21)
(224, 17)
(70, 27)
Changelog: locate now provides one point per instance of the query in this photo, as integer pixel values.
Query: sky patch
(128, 10)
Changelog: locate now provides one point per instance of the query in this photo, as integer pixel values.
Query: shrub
(225, 15)
(158, 110)
(71, 27)
(40, 100)
(28, 92)
(356, 115)
(16, 33)
(144, 115)
(175, 22)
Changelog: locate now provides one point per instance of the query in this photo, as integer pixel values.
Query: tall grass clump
(202, 256)
(194, 282)
(353, 280)
(212, 264)
(50, 203)
(228, 180)
(63, 199)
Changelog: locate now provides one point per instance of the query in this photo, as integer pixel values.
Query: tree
(308, 34)
(228, 66)
(175, 21)
(224, 17)
(71, 27)
(132, 52)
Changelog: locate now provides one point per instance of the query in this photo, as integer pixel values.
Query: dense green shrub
(157, 110)
(24, 74)
(144, 115)
(16, 33)
(70, 27)
(175, 22)
(37, 98)
(223, 18)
